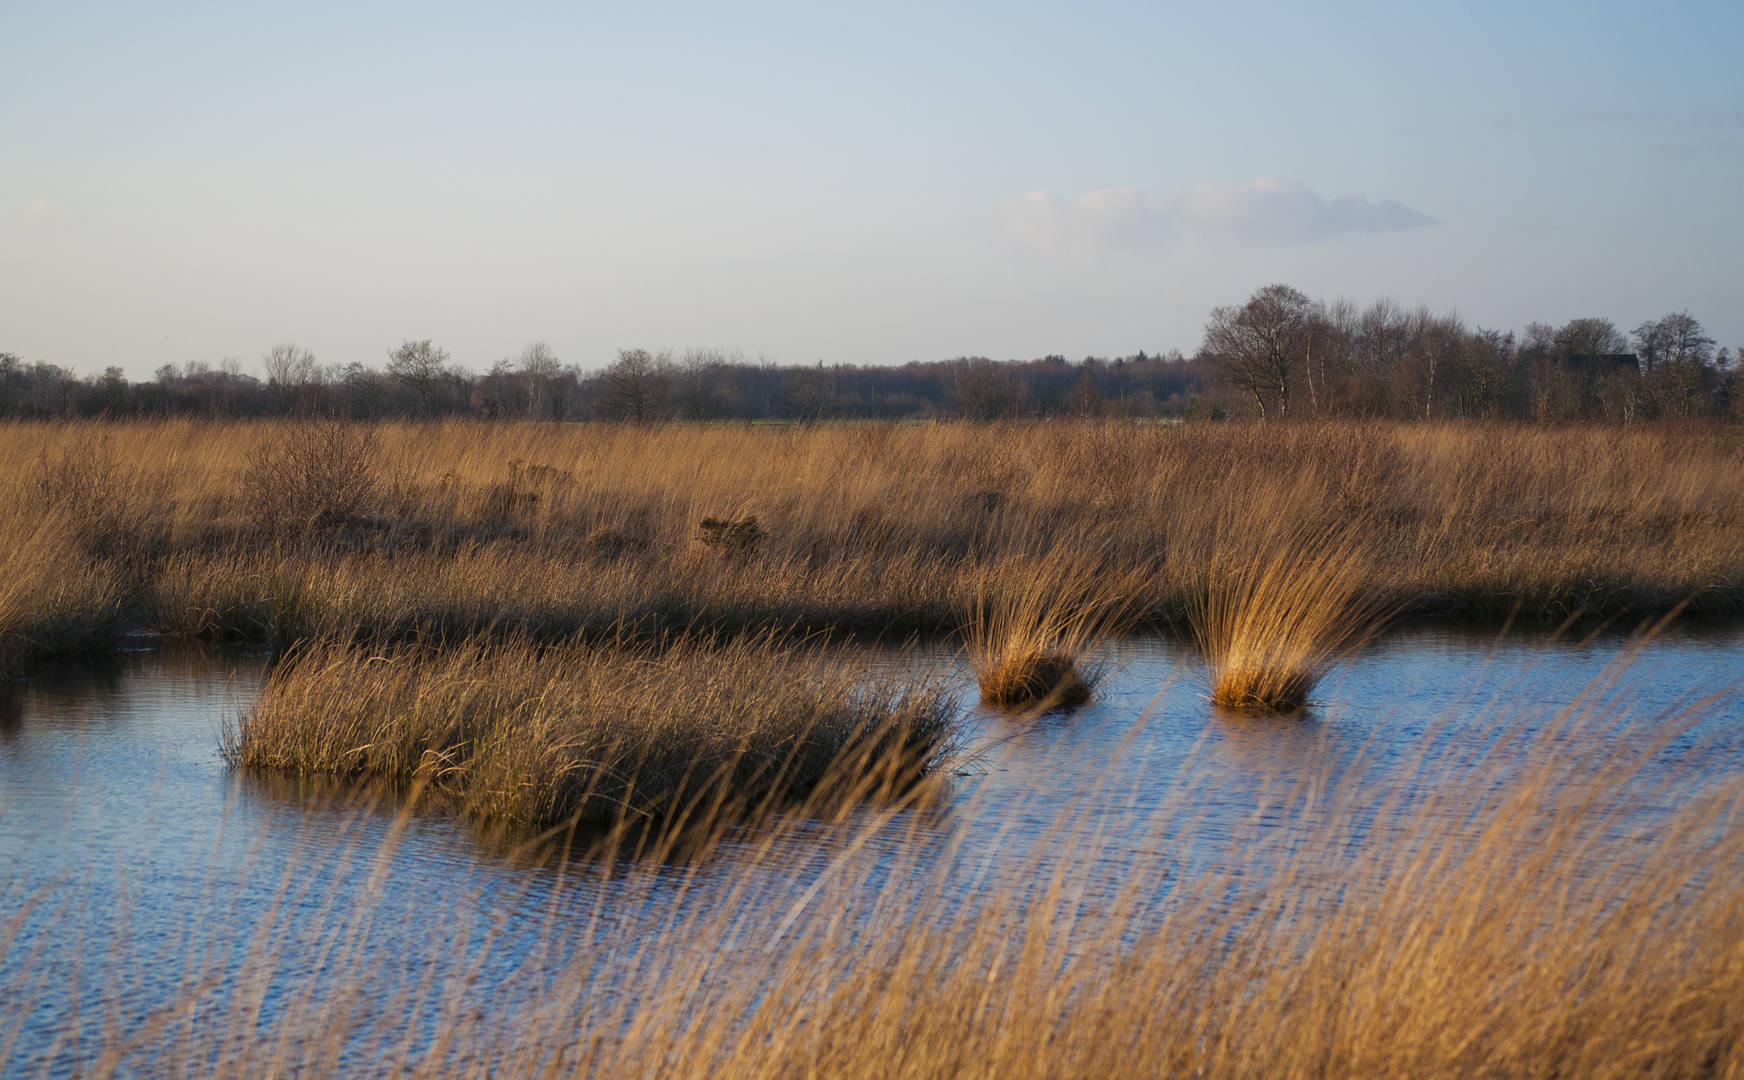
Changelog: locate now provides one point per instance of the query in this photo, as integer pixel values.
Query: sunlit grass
(1282, 602)
(1034, 627)
(450, 529)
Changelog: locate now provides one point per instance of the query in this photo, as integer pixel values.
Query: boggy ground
(286, 530)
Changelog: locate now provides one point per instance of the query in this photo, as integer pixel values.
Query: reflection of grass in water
(1506, 914)
(539, 735)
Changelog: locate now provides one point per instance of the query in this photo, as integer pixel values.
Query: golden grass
(534, 736)
(1035, 625)
(54, 601)
(214, 528)
(1490, 913)
(1284, 599)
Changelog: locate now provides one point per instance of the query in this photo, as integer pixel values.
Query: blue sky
(857, 183)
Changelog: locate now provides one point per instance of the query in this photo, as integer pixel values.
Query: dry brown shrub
(316, 476)
(732, 537)
(108, 510)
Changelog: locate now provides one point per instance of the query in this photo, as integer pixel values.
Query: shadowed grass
(53, 600)
(535, 736)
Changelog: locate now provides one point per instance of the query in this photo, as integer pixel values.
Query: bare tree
(805, 393)
(1435, 342)
(983, 392)
(636, 384)
(1677, 365)
(1677, 338)
(1257, 345)
(1085, 398)
(699, 378)
(421, 368)
(1480, 383)
(1590, 337)
(539, 364)
(292, 374)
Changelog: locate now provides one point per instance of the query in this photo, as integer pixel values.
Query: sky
(855, 183)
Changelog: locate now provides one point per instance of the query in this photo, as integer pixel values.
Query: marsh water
(133, 863)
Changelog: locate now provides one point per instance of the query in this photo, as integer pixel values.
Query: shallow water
(133, 864)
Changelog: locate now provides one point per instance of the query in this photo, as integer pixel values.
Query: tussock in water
(1281, 604)
(1031, 679)
(535, 736)
(1034, 625)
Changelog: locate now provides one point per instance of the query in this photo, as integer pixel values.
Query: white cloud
(1283, 210)
(1279, 210)
(40, 216)
(1089, 225)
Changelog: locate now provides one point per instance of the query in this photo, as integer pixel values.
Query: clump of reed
(1033, 626)
(530, 735)
(1280, 603)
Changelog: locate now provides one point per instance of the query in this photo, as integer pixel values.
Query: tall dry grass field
(1498, 911)
(286, 531)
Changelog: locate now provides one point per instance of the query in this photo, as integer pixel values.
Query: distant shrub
(317, 476)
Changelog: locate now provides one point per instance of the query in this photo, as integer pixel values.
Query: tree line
(1276, 356)
(1281, 354)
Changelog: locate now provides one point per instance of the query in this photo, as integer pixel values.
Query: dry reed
(1497, 911)
(535, 736)
(1035, 624)
(459, 528)
(1283, 600)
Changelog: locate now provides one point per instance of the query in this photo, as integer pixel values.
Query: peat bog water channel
(130, 856)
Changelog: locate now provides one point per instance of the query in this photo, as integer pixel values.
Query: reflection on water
(123, 837)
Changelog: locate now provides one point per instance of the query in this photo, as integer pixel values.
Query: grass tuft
(1033, 627)
(1024, 679)
(1279, 607)
(536, 736)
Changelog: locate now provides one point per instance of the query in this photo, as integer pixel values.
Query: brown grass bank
(531, 736)
(1490, 913)
(279, 530)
